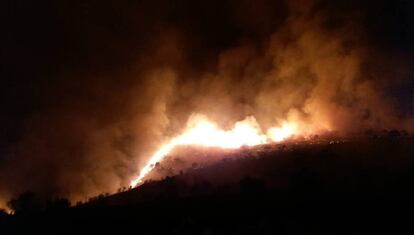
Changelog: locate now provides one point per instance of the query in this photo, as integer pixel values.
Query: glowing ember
(202, 132)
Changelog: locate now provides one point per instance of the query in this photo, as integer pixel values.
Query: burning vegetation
(319, 184)
(133, 87)
(204, 133)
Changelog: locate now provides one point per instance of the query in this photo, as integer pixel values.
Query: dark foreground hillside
(336, 187)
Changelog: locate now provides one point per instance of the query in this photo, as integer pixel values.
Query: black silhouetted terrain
(353, 186)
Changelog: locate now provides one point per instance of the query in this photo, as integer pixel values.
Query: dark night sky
(45, 40)
(53, 52)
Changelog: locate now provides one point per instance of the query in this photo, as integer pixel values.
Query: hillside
(363, 184)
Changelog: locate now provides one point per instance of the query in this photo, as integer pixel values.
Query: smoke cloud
(134, 81)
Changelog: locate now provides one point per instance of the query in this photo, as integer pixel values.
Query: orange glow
(278, 134)
(201, 131)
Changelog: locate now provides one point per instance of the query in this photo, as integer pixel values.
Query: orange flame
(278, 134)
(201, 131)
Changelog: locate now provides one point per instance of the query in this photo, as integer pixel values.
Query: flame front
(278, 134)
(201, 131)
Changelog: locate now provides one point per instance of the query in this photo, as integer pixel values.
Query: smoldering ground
(92, 88)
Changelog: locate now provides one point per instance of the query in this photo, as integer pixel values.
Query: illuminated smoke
(134, 92)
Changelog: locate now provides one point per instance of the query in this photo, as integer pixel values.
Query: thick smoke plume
(97, 125)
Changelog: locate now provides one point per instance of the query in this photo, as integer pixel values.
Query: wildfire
(278, 134)
(201, 131)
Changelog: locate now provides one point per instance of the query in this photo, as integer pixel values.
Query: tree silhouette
(58, 204)
(25, 203)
